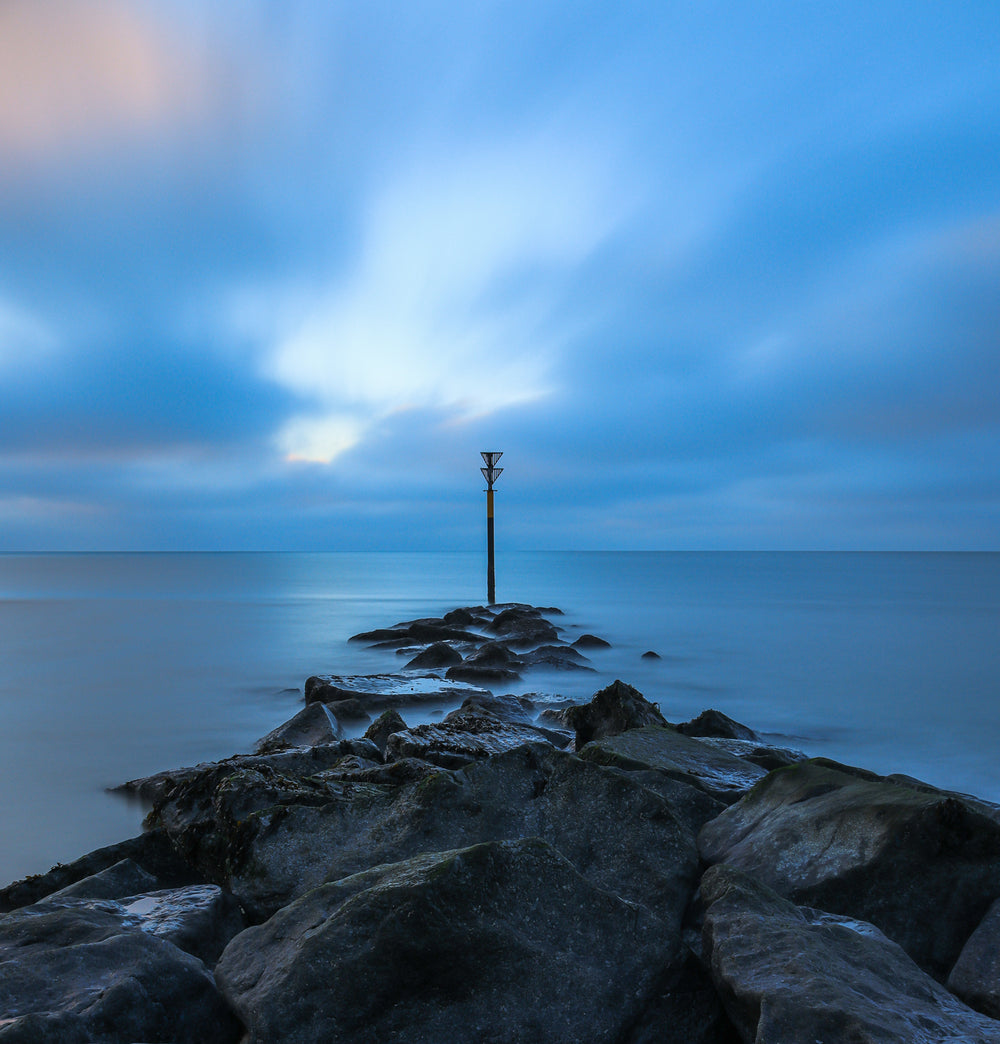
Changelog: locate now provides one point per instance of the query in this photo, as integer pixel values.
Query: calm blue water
(115, 666)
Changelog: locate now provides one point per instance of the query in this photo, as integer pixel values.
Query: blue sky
(710, 274)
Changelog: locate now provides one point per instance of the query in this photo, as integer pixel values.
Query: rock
(650, 655)
(349, 709)
(297, 762)
(505, 708)
(312, 725)
(77, 973)
(199, 919)
(591, 641)
(762, 754)
(151, 851)
(383, 727)
(440, 654)
(461, 738)
(123, 878)
(716, 772)
(976, 975)
(523, 627)
(715, 723)
(378, 692)
(620, 835)
(558, 657)
(796, 975)
(922, 866)
(612, 711)
(503, 941)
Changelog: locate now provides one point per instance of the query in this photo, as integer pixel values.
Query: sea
(116, 666)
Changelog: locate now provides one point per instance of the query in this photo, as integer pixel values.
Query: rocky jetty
(522, 870)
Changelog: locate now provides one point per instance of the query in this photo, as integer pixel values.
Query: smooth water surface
(114, 666)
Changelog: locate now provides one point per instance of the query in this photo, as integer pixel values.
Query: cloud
(453, 300)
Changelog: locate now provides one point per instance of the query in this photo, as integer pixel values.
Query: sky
(710, 274)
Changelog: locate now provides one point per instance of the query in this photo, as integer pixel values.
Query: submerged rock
(591, 641)
(504, 941)
(795, 975)
(923, 866)
(440, 654)
(378, 692)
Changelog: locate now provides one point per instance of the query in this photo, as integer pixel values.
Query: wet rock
(378, 692)
(611, 711)
(505, 708)
(383, 727)
(715, 723)
(312, 725)
(78, 973)
(591, 641)
(922, 866)
(762, 754)
(151, 851)
(690, 761)
(976, 975)
(620, 835)
(462, 737)
(440, 654)
(503, 941)
(650, 655)
(789, 974)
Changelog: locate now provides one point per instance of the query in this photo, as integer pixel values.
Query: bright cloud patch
(453, 303)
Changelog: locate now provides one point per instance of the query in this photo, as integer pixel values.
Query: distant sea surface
(114, 666)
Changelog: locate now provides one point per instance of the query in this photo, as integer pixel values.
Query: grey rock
(620, 835)
(976, 975)
(611, 711)
(503, 941)
(922, 866)
(312, 725)
(788, 975)
(523, 627)
(650, 655)
(75, 973)
(556, 657)
(125, 877)
(716, 772)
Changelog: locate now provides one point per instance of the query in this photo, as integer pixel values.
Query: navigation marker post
(491, 473)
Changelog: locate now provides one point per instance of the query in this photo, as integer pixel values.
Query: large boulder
(976, 975)
(80, 973)
(922, 865)
(661, 749)
(439, 654)
(313, 725)
(620, 835)
(523, 627)
(715, 723)
(797, 975)
(503, 941)
(611, 711)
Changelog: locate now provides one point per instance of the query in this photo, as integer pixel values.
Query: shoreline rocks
(528, 869)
